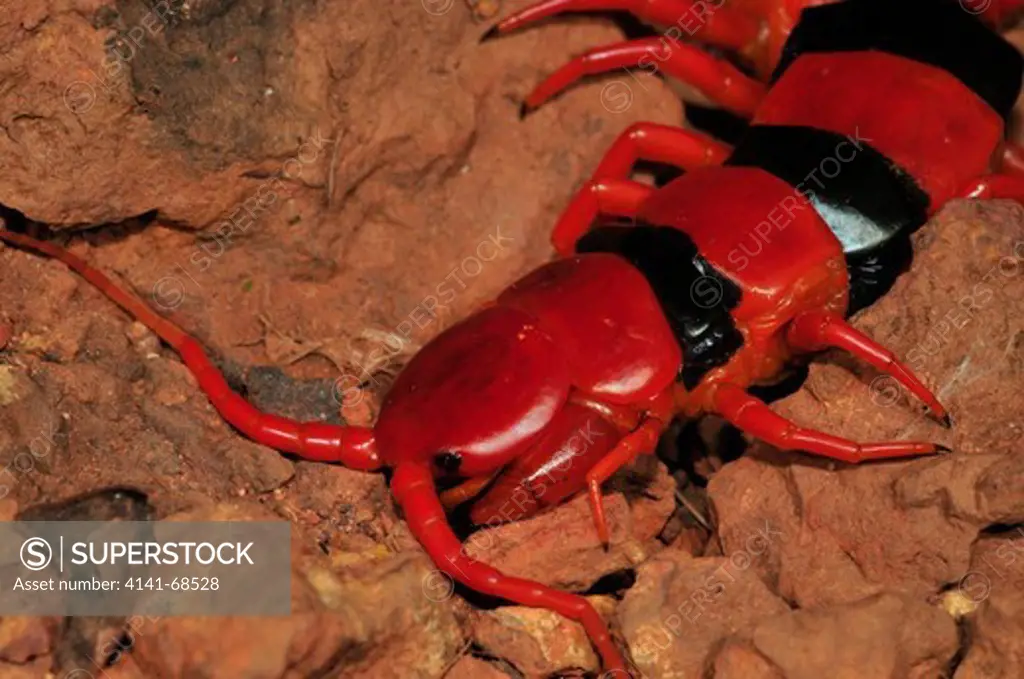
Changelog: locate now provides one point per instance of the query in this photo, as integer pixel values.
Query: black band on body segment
(940, 33)
(695, 298)
(873, 272)
(863, 196)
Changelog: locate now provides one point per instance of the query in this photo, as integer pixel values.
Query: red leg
(613, 198)
(642, 141)
(994, 186)
(817, 331)
(553, 469)
(723, 25)
(414, 491)
(715, 77)
(354, 447)
(656, 415)
(754, 417)
(465, 491)
(661, 144)
(642, 440)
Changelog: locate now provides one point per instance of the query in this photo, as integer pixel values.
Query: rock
(681, 608)
(750, 498)
(371, 619)
(73, 119)
(8, 509)
(283, 229)
(474, 668)
(828, 549)
(537, 642)
(352, 509)
(307, 206)
(740, 660)
(37, 671)
(255, 467)
(560, 547)
(654, 504)
(144, 341)
(983, 489)
(23, 639)
(881, 637)
(31, 436)
(994, 588)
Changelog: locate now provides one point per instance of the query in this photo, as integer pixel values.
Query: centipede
(674, 300)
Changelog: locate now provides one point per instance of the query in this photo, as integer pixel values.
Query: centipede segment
(869, 117)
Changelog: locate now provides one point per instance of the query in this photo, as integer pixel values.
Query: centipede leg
(613, 198)
(817, 331)
(413, 489)
(353, 447)
(652, 142)
(673, 146)
(465, 491)
(713, 76)
(720, 24)
(996, 186)
(753, 416)
(554, 468)
(642, 440)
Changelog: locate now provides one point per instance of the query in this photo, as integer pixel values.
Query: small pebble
(143, 339)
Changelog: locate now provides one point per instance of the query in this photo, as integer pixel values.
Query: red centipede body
(674, 300)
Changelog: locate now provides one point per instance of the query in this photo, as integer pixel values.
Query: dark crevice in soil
(999, 529)
(965, 638)
(613, 584)
(19, 223)
(480, 653)
(106, 504)
(12, 219)
(77, 639)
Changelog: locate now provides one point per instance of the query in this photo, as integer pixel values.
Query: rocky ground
(393, 188)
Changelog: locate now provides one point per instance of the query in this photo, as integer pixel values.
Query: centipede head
(473, 398)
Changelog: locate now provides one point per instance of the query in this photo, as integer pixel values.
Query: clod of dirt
(560, 547)
(119, 110)
(255, 467)
(845, 532)
(378, 618)
(994, 587)
(538, 643)
(739, 659)
(31, 431)
(681, 608)
(983, 489)
(474, 668)
(881, 637)
(22, 639)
